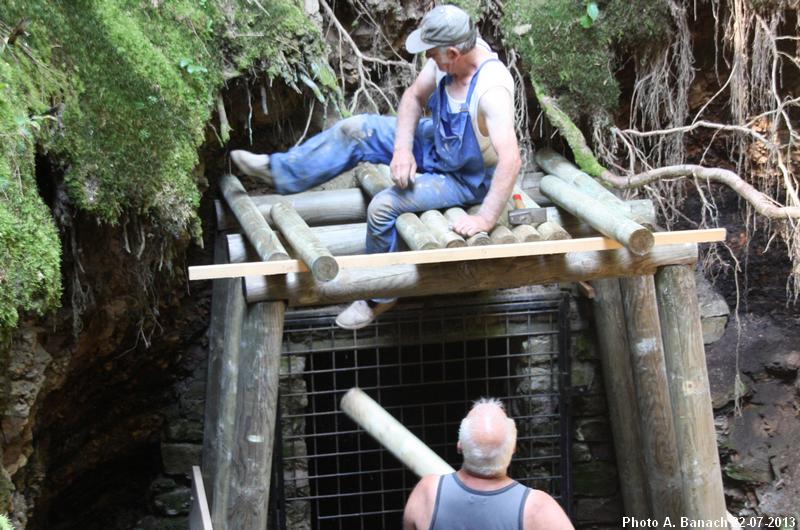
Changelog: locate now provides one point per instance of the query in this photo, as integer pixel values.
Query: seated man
(464, 153)
(480, 495)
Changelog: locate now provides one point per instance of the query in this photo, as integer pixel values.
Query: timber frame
(308, 249)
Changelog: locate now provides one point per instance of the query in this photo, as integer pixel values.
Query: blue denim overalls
(449, 162)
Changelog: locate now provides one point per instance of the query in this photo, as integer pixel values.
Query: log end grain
(325, 268)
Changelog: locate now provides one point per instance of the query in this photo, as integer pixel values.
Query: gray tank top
(459, 507)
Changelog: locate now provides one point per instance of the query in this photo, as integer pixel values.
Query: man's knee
(383, 208)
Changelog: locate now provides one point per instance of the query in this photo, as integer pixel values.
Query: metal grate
(425, 367)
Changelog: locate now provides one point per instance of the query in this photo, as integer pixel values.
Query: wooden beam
(538, 248)
(414, 232)
(314, 254)
(256, 406)
(438, 224)
(610, 222)
(690, 395)
(315, 207)
(623, 411)
(373, 179)
(478, 240)
(261, 236)
(657, 428)
(226, 407)
(469, 276)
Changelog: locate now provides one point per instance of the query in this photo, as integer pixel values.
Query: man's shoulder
(542, 511)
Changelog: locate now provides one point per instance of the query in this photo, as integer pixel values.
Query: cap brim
(415, 44)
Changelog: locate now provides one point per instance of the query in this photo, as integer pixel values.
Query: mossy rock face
(575, 61)
(118, 94)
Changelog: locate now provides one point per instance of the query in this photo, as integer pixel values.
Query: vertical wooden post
(615, 357)
(224, 427)
(216, 346)
(652, 395)
(689, 392)
(256, 404)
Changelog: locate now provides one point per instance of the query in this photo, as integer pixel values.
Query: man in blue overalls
(465, 153)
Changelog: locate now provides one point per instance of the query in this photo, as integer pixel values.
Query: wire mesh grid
(425, 367)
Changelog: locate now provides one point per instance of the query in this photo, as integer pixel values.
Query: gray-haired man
(481, 495)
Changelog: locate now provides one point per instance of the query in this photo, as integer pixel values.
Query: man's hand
(403, 168)
(469, 225)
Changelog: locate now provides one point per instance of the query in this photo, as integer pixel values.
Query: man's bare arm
(497, 107)
(419, 508)
(403, 166)
(542, 512)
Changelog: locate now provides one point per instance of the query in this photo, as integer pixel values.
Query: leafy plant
(5, 523)
(191, 68)
(589, 18)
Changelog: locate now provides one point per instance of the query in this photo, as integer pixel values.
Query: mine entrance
(425, 366)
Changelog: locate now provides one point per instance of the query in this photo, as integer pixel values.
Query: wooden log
(558, 166)
(341, 240)
(393, 435)
(501, 235)
(314, 254)
(469, 276)
(550, 230)
(256, 406)
(229, 376)
(478, 240)
(199, 514)
(258, 232)
(690, 394)
(315, 207)
(615, 359)
(216, 347)
(652, 395)
(634, 236)
(415, 233)
(440, 228)
(526, 233)
(372, 179)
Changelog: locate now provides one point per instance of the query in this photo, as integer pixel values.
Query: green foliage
(5, 524)
(118, 93)
(571, 45)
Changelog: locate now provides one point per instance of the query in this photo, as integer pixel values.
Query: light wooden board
(536, 248)
(199, 516)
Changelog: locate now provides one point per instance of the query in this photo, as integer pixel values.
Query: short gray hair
(479, 459)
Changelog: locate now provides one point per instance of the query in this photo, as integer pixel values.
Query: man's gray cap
(441, 26)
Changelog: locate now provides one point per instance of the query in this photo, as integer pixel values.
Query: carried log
(440, 228)
(256, 406)
(690, 394)
(315, 207)
(393, 435)
(657, 427)
(623, 411)
(414, 232)
(255, 227)
(314, 254)
(612, 223)
(468, 276)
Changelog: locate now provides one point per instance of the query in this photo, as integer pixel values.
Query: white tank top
(491, 75)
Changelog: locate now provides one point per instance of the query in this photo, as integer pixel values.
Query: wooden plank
(258, 232)
(313, 253)
(608, 221)
(660, 450)
(469, 276)
(537, 248)
(256, 405)
(623, 411)
(199, 515)
(690, 394)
